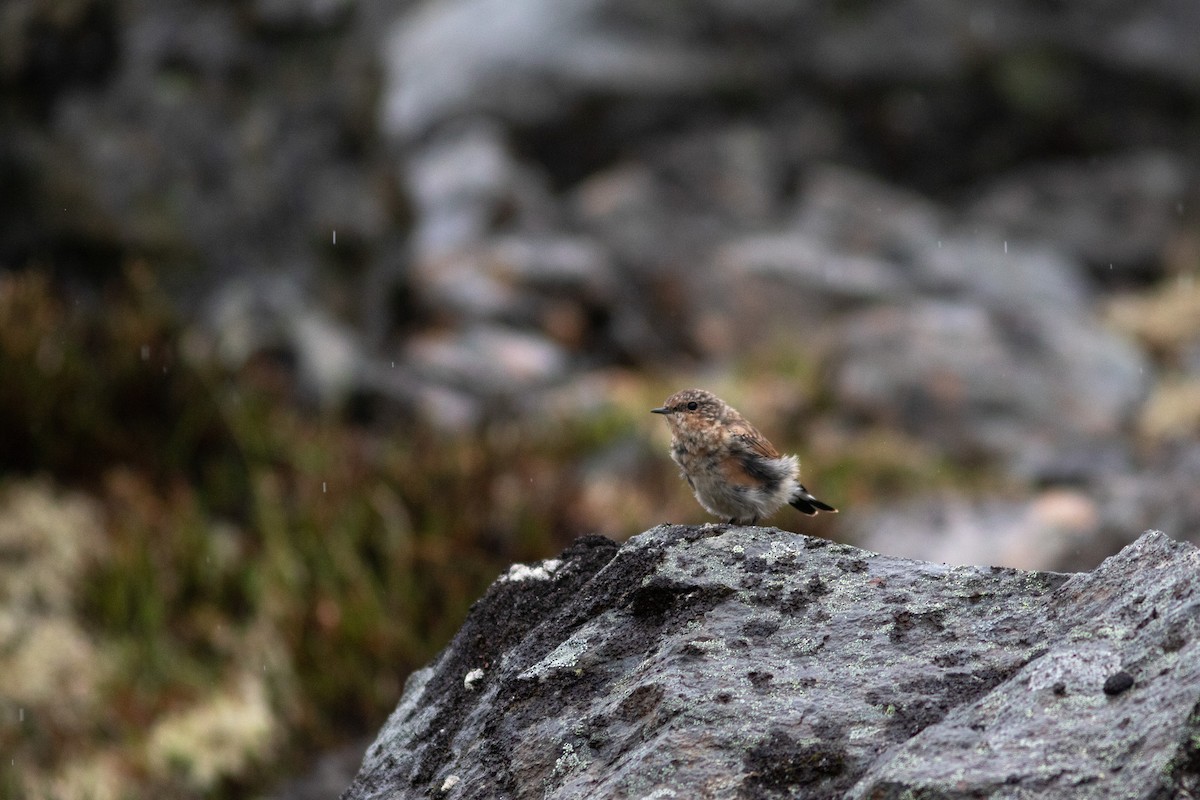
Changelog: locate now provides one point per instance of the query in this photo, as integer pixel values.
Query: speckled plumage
(735, 473)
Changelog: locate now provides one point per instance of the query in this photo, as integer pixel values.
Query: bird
(734, 471)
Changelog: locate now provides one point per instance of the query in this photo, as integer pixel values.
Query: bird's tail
(805, 503)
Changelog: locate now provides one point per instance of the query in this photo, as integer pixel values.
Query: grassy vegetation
(262, 579)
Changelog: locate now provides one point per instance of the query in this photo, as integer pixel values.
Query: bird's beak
(662, 410)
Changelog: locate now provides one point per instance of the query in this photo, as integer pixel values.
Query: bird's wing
(754, 441)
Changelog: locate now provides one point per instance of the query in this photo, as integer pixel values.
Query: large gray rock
(1025, 385)
(979, 344)
(1116, 214)
(724, 661)
(531, 61)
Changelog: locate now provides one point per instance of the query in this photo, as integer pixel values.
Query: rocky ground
(718, 661)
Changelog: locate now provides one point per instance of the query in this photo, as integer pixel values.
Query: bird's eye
(692, 406)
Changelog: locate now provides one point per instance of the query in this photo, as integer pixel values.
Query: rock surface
(723, 661)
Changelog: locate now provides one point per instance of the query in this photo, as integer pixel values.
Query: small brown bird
(733, 470)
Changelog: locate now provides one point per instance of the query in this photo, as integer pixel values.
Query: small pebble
(1117, 683)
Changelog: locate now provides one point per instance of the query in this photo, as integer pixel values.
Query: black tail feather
(805, 503)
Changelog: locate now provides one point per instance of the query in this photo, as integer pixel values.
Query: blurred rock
(1052, 531)
(859, 213)
(1150, 36)
(1160, 490)
(1018, 278)
(272, 316)
(487, 360)
(941, 370)
(174, 149)
(577, 267)
(853, 240)
(1115, 213)
(331, 773)
(986, 383)
(634, 183)
(522, 280)
(856, 240)
(526, 62)
(57, 46)
(1068, 527)
(329, 356)
(810, 267)
(568, 283)
(301, 16)
(395, 395)
(980, 344)
(463, 185)
(460, 289)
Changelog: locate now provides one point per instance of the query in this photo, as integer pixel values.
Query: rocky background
(315, 314)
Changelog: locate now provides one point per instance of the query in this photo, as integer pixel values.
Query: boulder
(725, 661)
(1115, 214)
(1023, 386)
